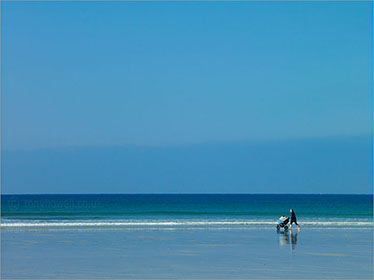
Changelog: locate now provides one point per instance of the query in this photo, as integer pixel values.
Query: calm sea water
(182, 210)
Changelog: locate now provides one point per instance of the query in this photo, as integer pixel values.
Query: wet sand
(185, 253)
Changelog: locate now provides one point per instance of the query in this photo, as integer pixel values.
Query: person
(293, 219)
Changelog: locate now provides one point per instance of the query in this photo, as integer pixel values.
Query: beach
(185, 237)
(199, 253)
(182, 139)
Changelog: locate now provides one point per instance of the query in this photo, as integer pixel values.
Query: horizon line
(188, 144)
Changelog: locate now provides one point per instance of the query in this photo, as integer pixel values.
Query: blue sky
(172, 75)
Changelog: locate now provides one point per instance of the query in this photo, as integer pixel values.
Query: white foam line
(165, 224)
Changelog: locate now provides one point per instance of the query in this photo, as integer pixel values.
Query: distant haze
(330, 165)
(186, 97)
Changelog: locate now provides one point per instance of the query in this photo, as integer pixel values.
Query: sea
(182, 210)
(185, 236)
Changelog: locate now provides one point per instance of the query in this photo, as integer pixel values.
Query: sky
(211, 97)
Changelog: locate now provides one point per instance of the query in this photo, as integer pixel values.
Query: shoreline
(184, 228)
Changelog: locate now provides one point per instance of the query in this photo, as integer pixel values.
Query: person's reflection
(293, 239)
(286, 236)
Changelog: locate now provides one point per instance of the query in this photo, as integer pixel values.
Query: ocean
(182, 210)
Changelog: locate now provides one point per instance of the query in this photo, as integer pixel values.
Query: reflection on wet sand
(286, 236)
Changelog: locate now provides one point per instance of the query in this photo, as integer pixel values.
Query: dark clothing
(293, 218)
